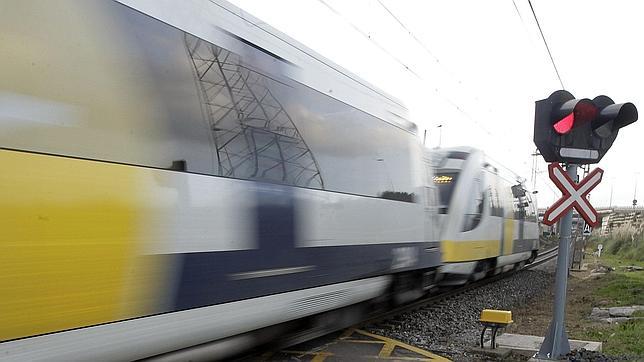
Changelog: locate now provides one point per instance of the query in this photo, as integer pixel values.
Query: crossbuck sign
(574, 195)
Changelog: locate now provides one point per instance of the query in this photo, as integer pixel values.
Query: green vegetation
(618, 339)
(619, 287)
(621, 249)
(626, 244)
(622, 289)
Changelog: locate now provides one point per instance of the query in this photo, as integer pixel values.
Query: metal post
(556, 342)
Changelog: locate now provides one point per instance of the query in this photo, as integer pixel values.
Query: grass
(621, 288)
(618, 339)
(617, 288)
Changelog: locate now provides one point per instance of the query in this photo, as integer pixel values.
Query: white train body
(178, 172)
(487, 221)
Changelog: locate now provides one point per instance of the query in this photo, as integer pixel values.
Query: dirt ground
(534, 317)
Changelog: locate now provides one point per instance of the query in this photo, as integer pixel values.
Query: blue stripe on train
(207, 278)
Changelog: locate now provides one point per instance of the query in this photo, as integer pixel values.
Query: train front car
(488, 222)
(179, 174)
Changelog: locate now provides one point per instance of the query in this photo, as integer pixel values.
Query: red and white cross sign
(574, 195)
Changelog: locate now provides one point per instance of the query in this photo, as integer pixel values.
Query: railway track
(431, 301)
(434, 299)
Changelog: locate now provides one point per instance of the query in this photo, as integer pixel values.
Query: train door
(496, 207)
(430, 203)
(507, 224)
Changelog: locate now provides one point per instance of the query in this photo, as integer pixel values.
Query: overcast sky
(477, 67)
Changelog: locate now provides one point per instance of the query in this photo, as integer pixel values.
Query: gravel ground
(591, 356)
(451, 327)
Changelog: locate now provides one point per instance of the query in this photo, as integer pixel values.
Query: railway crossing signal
(578, 131)
(574, 195)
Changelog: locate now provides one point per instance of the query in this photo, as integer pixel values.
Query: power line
(546, 43)
(518, 13)
(408, 68)
(412, 35)
(356, 28)
(427, 50)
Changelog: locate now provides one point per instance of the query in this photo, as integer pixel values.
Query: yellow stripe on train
(508, 236)
(467, 250)
(67, 244)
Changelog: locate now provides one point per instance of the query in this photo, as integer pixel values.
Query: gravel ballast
(451, 326)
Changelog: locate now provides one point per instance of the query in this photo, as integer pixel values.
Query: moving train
(186, 178)
(491, 227)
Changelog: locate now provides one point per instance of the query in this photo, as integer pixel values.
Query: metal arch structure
(254, 136)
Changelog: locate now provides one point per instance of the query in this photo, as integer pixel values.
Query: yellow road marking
(321, 356)
(395, 343)
(317, 356)
(347, 333)
(386, 350)
(362, 341)
(396, 358)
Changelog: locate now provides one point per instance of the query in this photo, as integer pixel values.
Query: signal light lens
(583, 111)
(565, 124)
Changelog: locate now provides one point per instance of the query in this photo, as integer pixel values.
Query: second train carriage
(488, 222)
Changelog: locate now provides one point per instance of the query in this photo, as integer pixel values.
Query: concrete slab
(529, 345)
(497, 353)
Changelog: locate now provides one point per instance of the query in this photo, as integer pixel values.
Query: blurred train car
(488, 221)
(176, 173)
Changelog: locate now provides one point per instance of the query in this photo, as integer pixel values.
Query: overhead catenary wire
(431, 54)
(411, 34)
(405, 66)
(361, 32)
(425, 48)
(552, 60)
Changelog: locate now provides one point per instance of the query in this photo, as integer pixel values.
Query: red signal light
(583, 111)
(565, 124)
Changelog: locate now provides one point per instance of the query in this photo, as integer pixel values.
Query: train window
(496, 207)
(531, 214)
(153, 95)
(445, 183)
(520, 202)
(475, 205)
(458, 155)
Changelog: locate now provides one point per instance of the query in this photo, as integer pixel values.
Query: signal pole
(556, 342)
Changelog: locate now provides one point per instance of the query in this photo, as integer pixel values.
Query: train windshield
(445, 183)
